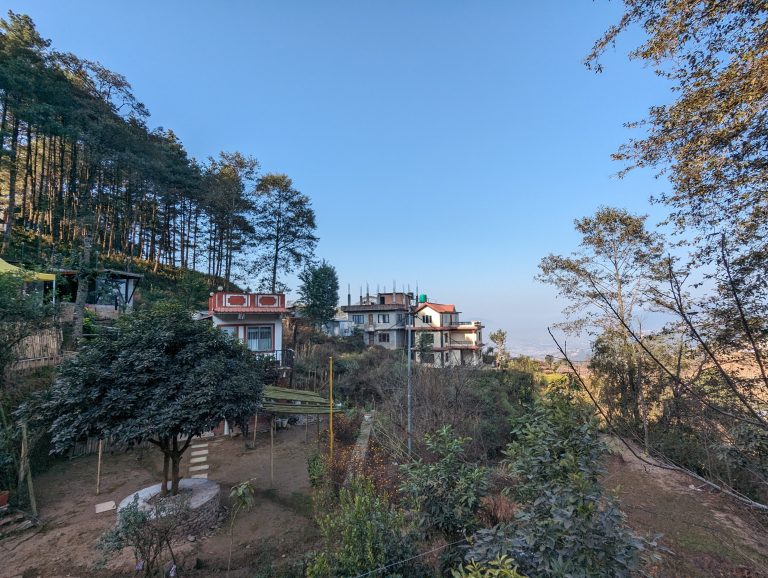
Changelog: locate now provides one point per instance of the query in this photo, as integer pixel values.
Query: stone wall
(204, 504)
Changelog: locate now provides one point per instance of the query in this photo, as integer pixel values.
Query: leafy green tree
(564, 526)
(606, 280)
(499, 339)
(161, 378)
(285, 229)
(711, 140)
(446, 492)
(319, 292)
(615, 258)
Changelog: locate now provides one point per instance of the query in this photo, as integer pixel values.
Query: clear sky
(445, 143)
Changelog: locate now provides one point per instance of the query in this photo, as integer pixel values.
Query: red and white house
(254, 318)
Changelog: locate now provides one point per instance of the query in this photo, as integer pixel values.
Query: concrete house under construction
(438, 336)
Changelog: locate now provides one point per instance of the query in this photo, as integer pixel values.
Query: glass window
(383, 337)
(358, 319)
(383, 318)
(230, 330)
(427, 319)
(260, 338)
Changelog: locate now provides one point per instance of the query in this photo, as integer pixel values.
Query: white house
(254, 318)
(442, 339)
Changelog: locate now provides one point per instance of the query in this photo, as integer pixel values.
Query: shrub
(500, 567)
(147, 532)
(363, 534)
(446, 493)
(564, 525)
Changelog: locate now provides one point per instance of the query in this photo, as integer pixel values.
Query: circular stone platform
(203, 503)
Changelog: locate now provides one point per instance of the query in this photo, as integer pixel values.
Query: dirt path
(705, 533)
(280, 523)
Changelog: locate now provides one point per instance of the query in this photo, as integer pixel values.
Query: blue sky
(445, 143)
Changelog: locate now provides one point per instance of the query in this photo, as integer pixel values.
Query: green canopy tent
(281, 400)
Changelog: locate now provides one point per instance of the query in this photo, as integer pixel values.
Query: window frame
(260, 338)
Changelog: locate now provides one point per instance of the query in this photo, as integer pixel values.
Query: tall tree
(605, 280)
(285, 229)
(616, 257)
(319, 292)
(712, 140)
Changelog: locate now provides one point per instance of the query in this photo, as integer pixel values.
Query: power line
(393, 564)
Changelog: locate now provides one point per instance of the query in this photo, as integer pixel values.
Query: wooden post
(24, 470)
(272, 452)
(98, 467)
(255, 423)
(330, 403)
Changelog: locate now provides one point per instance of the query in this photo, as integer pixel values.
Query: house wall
(252, 320)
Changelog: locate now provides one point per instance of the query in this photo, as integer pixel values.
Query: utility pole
(409, 321)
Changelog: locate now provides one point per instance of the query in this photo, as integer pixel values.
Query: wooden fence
(38, 350)
(91, 446)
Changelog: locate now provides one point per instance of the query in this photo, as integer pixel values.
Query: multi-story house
(381, 318)
(438, 336)
(442, 339)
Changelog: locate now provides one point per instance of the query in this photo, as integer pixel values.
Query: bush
(147, 532)
(446, 493)
(564, 526)
(500, 567)
(363, 534)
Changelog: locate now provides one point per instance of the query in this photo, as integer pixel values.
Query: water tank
(422, 298)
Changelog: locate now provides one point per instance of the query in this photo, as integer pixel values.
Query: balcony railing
(281, 357)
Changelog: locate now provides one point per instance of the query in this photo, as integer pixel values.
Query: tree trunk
(13, 171)
(82, 289)
(175, 459)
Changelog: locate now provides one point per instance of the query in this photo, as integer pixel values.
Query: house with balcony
(382, 318)
(256, 319)
(442, 339)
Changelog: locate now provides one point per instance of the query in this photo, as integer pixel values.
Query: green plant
(317, 467)
(499, 567)
(148, 532)
(564, 525)
(363, 534)
(241, 498)
(447, 492)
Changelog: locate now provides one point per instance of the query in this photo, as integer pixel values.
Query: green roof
(283, 400)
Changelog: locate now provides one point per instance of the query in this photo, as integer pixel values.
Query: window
(427, 319)
(358, 319)
(400, 318)
(383, 337)
(426, 339)
(260, 338)
(230, 330)
(427, 357)
(383, 318)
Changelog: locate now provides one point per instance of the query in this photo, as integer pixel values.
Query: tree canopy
(319, 292)
(160, 376)
(285, 230)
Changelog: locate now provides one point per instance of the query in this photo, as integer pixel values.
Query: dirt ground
(704, 533)
(276, 528)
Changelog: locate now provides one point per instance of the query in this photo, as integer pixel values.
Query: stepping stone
(204, 476)
(197, 460)
(200, 453)
(105, 507)
(196, 446)
(198, 468)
